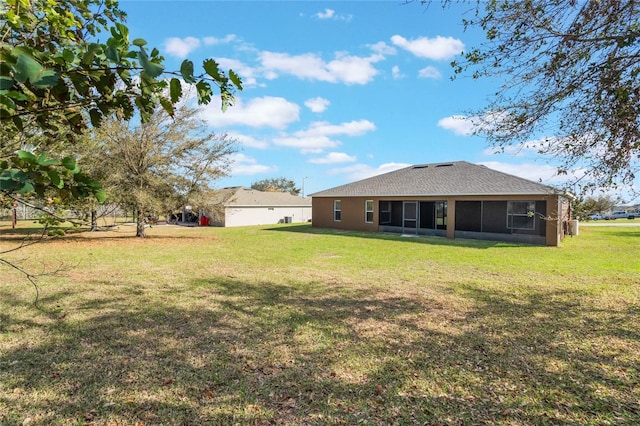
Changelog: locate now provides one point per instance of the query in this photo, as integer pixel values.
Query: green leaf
(120, 32)
(18, 96)
(211, 67)
(26, 188)
(6, 82)
(175, 90)
(95, 116)
(27, 68)
(113, 54)
(27, 156)
(43, 161)
(100, 195)
(48, 78)
(204, 92)
(70, 164)
(235, 79)
(167, 106)
(152, 69)
(68, 55)
(92, 50)
(17, 121)
(186, 69)
(140, 42)
(80, 83)
(55, 179)
(125, 75)
(7, 104)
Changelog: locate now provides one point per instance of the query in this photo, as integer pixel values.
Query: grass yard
(292, 325)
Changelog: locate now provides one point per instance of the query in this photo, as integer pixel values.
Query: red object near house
(204, 221)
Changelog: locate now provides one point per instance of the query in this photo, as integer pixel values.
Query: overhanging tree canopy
(570, 72)
(56, 75)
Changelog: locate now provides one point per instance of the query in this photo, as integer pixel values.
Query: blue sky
(334, 91)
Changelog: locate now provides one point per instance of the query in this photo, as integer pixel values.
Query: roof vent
(420, 166)
(444, 165)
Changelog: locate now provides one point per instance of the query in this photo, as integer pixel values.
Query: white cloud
(429, 72)
(343, 69)
(267, 111)
(317, 137)
(317, 104)
(351, 128)
(224, 40)
(334, 158)
(458, 124)
(354, 69)
(247, 73)
(547, 174)
(363, 171)
(383, 48)
(307, 144)
(326, 14)
(248, 141)
(438, 48)
(181, 47)
(532, 147)
(395, 72)
(248, 166)
(331, 14)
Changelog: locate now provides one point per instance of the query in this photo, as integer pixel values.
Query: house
(453, 200)
(239, 206)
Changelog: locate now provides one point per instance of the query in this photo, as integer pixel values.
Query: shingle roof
(439, 179)
(239, 196)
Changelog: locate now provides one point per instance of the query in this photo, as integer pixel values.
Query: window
(385, 212)
(368, 211)
(441, 215)
(521, 214)
(337, 210)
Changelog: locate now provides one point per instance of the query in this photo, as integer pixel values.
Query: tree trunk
(140, 224)
(94, 220)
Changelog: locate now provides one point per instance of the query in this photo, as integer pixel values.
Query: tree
(583, 206)
(280, 184)
(571, 72)
(55, 76)
(160, 164)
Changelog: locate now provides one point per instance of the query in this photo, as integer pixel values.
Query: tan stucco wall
(353, 212)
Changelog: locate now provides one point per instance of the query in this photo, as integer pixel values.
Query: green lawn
(293, 325)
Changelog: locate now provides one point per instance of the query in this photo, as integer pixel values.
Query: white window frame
(529, 213)
(368, 211)
(337, 210)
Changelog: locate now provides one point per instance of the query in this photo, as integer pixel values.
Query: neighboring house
(239, 206)
(454, 200)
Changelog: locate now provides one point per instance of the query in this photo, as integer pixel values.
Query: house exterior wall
(259, 215)
(352, 213)
(548, 226)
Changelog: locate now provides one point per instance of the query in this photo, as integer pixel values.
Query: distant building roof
(239, 196)
(439, 179)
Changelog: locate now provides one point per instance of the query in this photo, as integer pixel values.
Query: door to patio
(410, 217)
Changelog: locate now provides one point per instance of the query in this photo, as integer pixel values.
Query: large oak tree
(159, 165)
